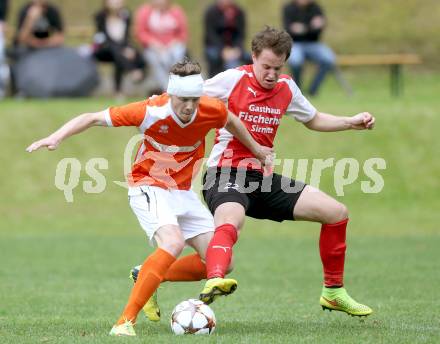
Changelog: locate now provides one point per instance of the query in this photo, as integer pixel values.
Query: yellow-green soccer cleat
(216, 287)
(126, 329)
(337, 299)
(151, 308)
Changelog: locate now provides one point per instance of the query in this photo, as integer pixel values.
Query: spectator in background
(225, 24)
(161, 28)
(304, 20)
(39, 26)
(3, 67)
(112, 42)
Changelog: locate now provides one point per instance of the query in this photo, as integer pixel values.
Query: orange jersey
(171, 151)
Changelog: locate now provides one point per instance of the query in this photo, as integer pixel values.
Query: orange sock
(151, 274)
(188, 268)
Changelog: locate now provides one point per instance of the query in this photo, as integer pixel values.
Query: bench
(72, 34)
(394, 61)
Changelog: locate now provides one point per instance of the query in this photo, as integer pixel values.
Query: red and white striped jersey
(259, 109)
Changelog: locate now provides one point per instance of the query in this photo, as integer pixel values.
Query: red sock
(219, 252)
(332, 249)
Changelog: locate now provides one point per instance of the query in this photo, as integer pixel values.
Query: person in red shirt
(235, 185)
(162, 30)
(173, 126)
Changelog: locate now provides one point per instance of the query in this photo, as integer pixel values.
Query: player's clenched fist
(264, 154)
(363, 120)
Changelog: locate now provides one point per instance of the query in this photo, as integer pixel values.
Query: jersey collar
(177, 119)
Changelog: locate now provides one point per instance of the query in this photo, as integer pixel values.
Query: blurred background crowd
(140, 40)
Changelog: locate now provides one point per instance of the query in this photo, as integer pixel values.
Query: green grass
(63, 271)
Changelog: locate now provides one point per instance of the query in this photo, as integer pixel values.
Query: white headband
(185, 86)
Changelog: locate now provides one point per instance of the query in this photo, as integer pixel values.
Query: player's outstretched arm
(74, 126)
(326, 122)
(236, 128)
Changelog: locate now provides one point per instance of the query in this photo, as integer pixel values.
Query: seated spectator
(39, 26)
(112, 42)
(43, 66)
(225, 24)
(161, 28)
(3, 67)
(304, 20)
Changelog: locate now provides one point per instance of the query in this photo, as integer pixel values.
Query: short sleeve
(299, 108)
(221, 85)
(127, 115)
(214, 112)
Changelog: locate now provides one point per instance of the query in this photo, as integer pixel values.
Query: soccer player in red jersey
(174, 126)
(235, 185)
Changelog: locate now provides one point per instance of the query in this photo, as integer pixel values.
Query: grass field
(64, 266)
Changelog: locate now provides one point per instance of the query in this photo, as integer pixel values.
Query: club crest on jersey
(252, 91)
(163, 129)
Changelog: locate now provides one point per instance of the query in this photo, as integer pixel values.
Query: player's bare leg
(314, 205)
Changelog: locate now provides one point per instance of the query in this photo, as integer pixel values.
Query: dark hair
(106, 9)
(279, 41)
(186, 67)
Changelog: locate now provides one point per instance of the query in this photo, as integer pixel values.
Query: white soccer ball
(192, 317)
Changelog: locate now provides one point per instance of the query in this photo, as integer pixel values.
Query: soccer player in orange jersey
(174, 126)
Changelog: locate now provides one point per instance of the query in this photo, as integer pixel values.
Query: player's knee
(233, 214)
(236, 220)
(343, 212)
(339, 213)
(173, 244)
